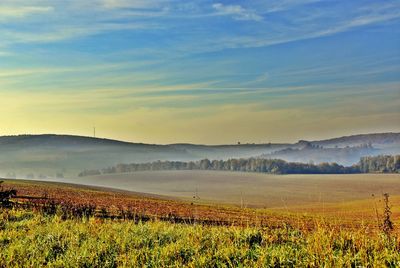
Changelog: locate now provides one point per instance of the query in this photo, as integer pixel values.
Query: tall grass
(31, 239)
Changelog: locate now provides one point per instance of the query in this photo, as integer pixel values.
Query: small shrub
(387, 226)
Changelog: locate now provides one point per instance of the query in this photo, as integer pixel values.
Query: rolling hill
(46, 155)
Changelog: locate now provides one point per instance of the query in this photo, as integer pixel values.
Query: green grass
(29, 239)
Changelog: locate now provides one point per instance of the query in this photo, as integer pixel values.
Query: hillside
(381, 139)
(345, 150)
(46, 155)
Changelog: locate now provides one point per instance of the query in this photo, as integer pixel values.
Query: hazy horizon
(233, 143)
(203, 72)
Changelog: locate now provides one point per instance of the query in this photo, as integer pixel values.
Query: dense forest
(368, 164)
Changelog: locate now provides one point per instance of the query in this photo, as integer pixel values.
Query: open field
(302, 236)
(253, 189)
(34, 240)
(144, 204)
(249, 238)
(349, 214)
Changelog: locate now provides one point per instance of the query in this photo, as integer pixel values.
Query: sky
(212, 72)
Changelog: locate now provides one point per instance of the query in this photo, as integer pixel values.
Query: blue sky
(165, 71)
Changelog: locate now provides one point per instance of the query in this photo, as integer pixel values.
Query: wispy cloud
(164, 15)
(73, 19)
(281, 5)
(360, 21)
(237, 12)
(140, 4)
(65, 32)
(7, 12)
(5, 53)
(327, 24)
(21, 72)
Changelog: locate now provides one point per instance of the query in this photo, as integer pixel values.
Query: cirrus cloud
(22, 11)
(237, 11)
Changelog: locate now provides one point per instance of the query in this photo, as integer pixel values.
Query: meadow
(206, 236)
(29, 239)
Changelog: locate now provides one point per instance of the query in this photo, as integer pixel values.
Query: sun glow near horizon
(200, 71)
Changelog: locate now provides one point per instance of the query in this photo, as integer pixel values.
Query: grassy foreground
(31, 239)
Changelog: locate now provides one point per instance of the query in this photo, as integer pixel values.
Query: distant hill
(346, 150)
(347, 155)
(47, 155)
(380, 139)
(60, 140)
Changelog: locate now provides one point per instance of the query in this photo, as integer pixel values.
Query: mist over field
(251, 189)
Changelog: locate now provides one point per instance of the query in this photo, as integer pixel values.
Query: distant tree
(205, 164)
(89, 173)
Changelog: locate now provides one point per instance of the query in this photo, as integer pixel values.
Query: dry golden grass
(351, 214)
(332, 235)
(259, 190)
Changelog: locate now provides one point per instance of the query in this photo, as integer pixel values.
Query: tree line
(386, 163)
(380, 163)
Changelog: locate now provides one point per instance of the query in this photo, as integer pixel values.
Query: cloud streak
(7, 12)
(237, 12)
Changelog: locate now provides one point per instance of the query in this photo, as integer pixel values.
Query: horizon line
(197, 144)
